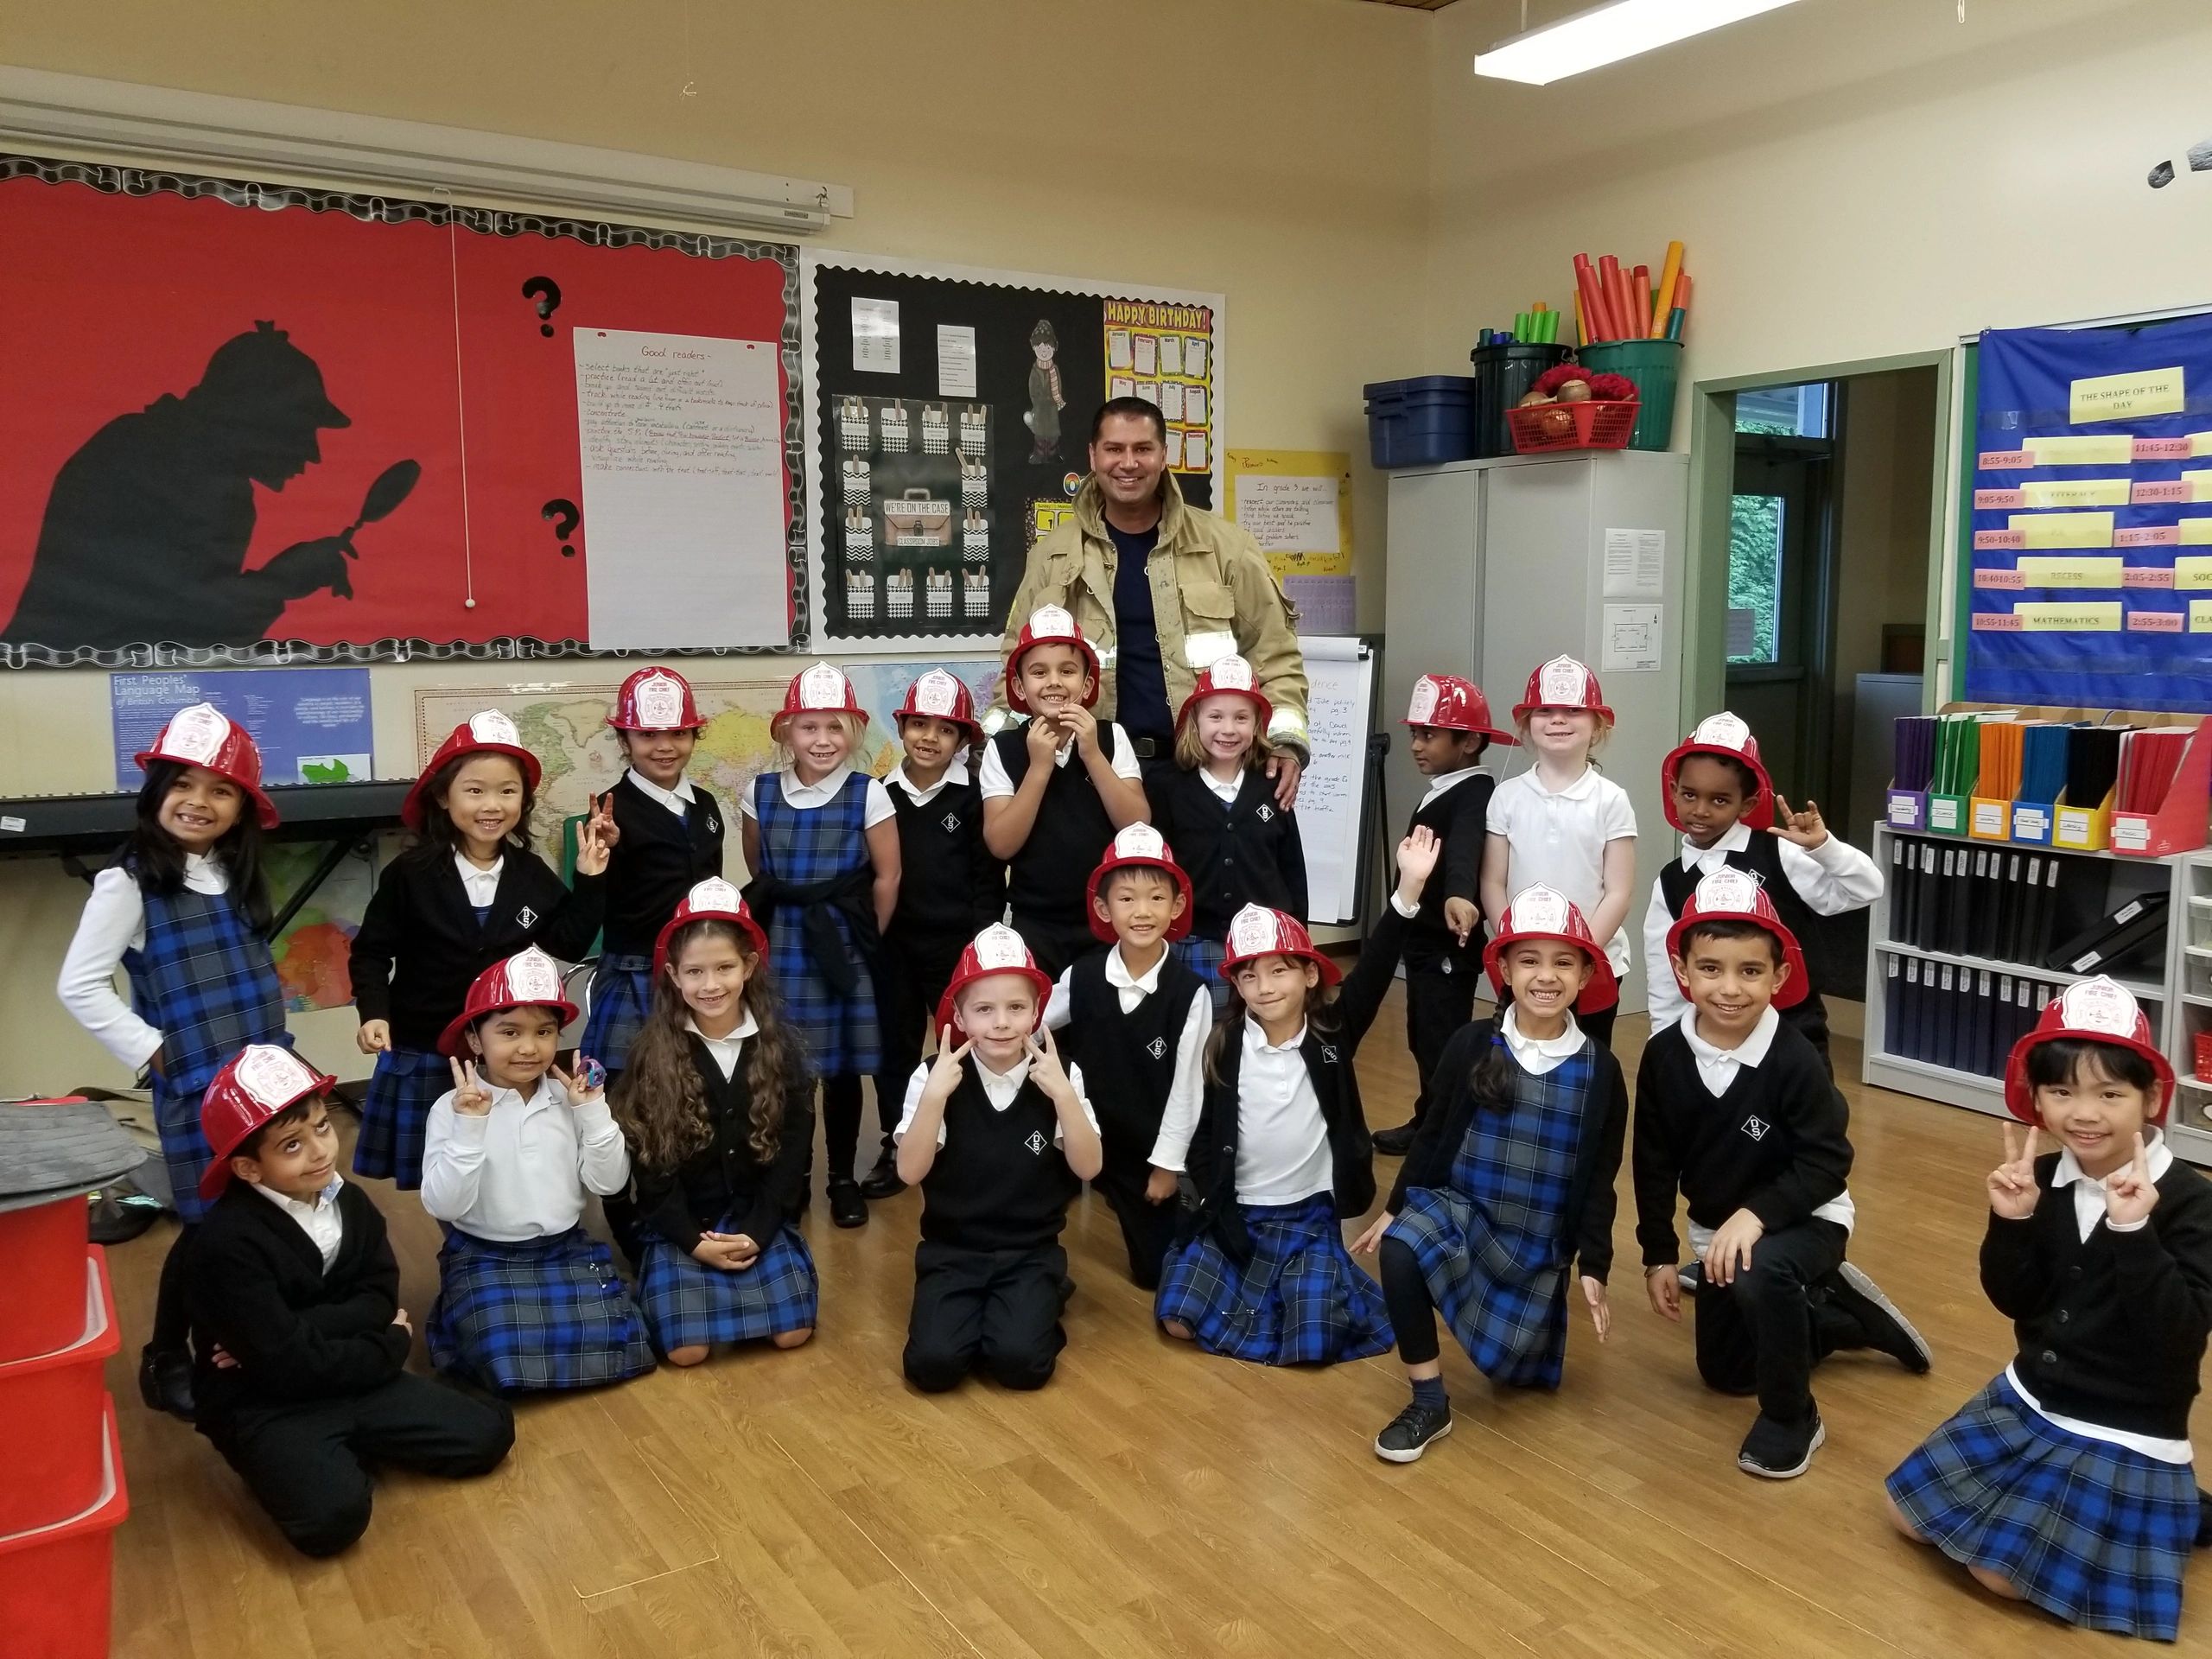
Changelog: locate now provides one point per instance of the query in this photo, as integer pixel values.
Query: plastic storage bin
(1655, 366)
(52, 1407)
(1421, 422)
(1503, 375)
(56, 1583)
(43, 1308)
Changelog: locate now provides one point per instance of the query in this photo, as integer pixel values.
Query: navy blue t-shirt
(1141, 704)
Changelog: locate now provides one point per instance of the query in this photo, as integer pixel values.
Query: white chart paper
(956, 360)
(875, 336)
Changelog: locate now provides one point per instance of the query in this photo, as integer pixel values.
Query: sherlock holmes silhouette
(146, 531)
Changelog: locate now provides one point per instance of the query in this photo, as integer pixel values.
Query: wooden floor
(1152, 1500)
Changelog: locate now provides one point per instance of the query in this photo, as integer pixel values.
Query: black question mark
(564, 516)
(547, 293)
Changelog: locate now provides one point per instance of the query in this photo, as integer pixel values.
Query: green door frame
(1712, 467)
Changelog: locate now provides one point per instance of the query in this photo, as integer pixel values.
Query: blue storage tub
(1420, 422)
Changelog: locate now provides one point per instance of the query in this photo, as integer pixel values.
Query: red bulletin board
(116, 289)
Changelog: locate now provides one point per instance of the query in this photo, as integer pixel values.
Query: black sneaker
(882, 1181)
(1410, 1431)
(1887, 1331)
(847, 1207)
(1775, 1450)
(1396, 1143)
(165, 1381)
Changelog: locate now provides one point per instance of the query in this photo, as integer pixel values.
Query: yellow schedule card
(2072, 573)
(2075, 492)
(2117, 450)
(2193, 570)
(2097, 617)
(2063, 529)
(2196, 532)
(2200, 616)
(2124, 397)
(2199, 480)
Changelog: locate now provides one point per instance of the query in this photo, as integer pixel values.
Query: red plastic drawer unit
(56, 1580)
(50, 1409)
(44, 1248)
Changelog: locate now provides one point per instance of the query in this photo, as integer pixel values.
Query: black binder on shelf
(1960, 891)
(1990, 937)
(2008, 920)
(1944, 1050)
(2043, 909)
(1892, 1004)
(2000, 1024)
(1985, 1014)
(1903, 889)
(1909, 1022)
(2113, 938)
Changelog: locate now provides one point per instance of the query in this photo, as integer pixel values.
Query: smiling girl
(468, 892)
(182, 910)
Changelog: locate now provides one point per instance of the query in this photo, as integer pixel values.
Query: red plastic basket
(52, 1405)
(1593, 423)
(56, 1582)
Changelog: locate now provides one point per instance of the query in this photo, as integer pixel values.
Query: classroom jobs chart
(2092, 517)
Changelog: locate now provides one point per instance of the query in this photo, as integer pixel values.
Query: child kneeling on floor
(2069, 1482)
(1511, 1178)
(1000, 1139)
(300, 1341)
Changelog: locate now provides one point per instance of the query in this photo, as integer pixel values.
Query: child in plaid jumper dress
(822, 844)
(1511, 1178)
(2069, 1481)
(182, 910)
(719, 1115)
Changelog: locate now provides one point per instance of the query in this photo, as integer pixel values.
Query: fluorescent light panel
(1607, 33)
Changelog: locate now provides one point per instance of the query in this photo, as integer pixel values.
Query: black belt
(1152, 748)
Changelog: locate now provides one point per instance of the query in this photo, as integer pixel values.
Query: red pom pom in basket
(1595, 423)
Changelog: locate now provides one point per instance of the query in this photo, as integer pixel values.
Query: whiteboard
(1340, 674)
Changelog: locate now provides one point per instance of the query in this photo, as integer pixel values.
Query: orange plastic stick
(1663, 301)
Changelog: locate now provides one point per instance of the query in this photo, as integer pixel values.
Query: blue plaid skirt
(621, 997)
(688, 1303)
(185, 1150)
(1511, 1320)
(1204, 957)
(1299, 1300)
(396, 1115)
(546, 1313)
(2090, 1531)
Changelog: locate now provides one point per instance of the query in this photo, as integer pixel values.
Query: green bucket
(1655, 366)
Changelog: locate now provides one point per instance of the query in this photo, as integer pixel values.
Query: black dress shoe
(1396, 1143)
(847, 1207)
(882, 1181)
(165, 1381)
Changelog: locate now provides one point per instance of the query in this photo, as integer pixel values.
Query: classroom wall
(1267, 149)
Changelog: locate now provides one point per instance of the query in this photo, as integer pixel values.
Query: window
(1785, 411)
(1755, 530)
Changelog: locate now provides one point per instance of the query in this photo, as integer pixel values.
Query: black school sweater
(255, 1282)
(659, 858)
(2111, 1328)
(949, 886)
(1776, 1144)
(1327, 1051)
(726, 1177)
(999, 1183)
(1245, 853)
(1049, 876)
(1591, 1199)
(1461, 818)
(420, 947)
(1128, 1059)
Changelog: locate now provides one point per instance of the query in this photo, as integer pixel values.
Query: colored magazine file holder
(2177, 825)
(2082, 829)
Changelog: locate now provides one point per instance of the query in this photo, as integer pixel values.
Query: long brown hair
(660, 1098)
(1320, 1016)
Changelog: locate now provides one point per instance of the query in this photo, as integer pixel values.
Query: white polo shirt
(1559, 839)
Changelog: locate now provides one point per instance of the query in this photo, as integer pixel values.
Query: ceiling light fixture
(1607, 33)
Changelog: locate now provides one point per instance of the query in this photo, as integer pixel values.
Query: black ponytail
(1490, 1081)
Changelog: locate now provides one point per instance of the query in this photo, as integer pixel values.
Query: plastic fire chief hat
(1048, 624)
(529, 979)
(1734, 895)
(1720, 734)
(1563, 684)
(1256, 930)
(820, 689)
(1138, 847)
(1542, 912)
(488, 733)
(940, 696)
(655, 700)
(2096, 1011)
(997, 949)
(203, 735)
(258, 1083)
(711, 898)
(1232, 673)
(1452, 704)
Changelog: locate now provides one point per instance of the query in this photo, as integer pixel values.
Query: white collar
(470, 872)
(955, 772)
(746, 1026)
(292, 1206)
(675, 799)
(1738, 838)
(197, 862)
(1563, 1046)
(1574, 791)
(2157, 1155)
(1255, 1039)
(1011, 1079)
(1445, 781)
(828, 784)
(1751, 1052)
(1118, 975)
